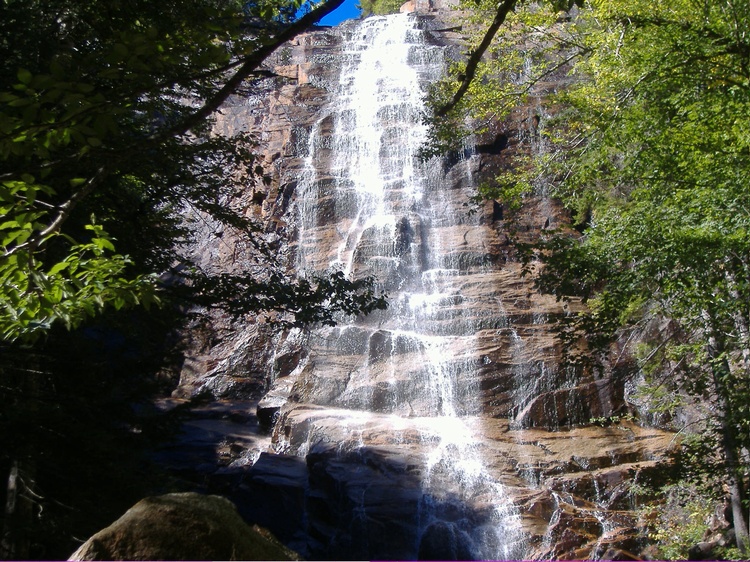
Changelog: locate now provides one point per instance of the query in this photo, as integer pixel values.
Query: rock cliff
(366, 459)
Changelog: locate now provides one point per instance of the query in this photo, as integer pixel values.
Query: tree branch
(63, 211)
(504, 7)
(250, 64)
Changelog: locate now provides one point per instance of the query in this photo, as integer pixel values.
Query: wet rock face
(358, 467)
(572, 488)
(360, 504)
(238, 358)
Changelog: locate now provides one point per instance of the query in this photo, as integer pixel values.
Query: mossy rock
(185, 526)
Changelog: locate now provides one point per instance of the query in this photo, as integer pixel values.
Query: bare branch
(250, 64)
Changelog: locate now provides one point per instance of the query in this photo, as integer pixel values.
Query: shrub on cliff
(380, 7)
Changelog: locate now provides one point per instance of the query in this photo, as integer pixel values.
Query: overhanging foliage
(649, 149)
(105, 141)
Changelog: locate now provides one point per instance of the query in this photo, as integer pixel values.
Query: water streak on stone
(418, 357)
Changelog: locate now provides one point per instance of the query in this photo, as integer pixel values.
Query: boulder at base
(184, 526)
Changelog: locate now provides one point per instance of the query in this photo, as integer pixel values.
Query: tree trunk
(18, 516)
(741, 323)
(7, 546)
(20, 504)
(721, 372)
(735, 487)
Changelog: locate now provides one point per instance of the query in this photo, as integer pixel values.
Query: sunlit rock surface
(444, 425)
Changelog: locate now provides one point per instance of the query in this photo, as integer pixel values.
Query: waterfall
(404, 377)
(445, 426)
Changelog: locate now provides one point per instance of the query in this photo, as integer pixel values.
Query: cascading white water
(379, 212)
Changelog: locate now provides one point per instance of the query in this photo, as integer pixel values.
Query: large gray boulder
(184, 526)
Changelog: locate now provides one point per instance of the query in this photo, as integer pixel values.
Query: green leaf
(57, 268)
(103, 243)
(24, 76)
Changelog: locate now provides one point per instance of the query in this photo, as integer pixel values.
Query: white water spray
(384, 210)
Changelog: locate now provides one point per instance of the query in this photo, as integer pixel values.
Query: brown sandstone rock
(570, 406)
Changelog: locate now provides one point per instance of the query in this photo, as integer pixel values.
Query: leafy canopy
(647, 143)
(106, 145)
